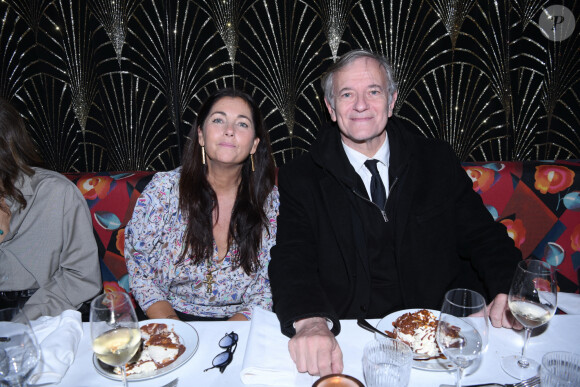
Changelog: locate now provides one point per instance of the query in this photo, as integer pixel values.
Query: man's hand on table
(500, 315)
(314, 348)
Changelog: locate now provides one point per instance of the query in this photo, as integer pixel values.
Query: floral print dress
(153, 245)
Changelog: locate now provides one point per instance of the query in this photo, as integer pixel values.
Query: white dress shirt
(357, 160)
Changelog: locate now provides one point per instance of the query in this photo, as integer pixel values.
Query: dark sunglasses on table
(229, 342)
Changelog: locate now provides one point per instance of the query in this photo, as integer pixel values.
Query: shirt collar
(24, 184)
(358, 159)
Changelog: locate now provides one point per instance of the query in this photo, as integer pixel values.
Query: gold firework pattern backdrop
(115, 84)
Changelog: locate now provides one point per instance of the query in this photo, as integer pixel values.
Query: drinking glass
(462, 331)
(387, 363)
(532, 300)
(19, 350)
(560, 369)
(114, 330)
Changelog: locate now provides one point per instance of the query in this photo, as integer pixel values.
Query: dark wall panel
(114, 85)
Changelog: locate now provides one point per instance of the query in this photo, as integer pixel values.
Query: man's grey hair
(348, 58)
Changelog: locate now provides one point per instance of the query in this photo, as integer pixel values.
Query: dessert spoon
(366, 325)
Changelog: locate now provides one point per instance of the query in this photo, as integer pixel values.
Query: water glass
(19, 350)
(387, 362)
(4, 365)
(560, 369)
(462, 331)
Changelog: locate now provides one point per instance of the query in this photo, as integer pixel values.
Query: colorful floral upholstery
(537, 201)
(111, 197)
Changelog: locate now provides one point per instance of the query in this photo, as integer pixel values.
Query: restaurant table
(561, 334)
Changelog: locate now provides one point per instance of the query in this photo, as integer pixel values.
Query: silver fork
(531, 382)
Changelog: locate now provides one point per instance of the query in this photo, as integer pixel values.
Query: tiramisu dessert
(418, 331)
(160, 347)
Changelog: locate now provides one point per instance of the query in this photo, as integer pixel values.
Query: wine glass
(532, 301)
(114, 330)
(463, 328)
(19, 350)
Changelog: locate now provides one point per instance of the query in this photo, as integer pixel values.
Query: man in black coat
(359, 238)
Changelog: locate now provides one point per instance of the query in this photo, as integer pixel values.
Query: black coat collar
(328, 153)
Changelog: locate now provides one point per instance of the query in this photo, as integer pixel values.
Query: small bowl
(337, 380)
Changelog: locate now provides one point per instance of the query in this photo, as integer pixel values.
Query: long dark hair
(17, 152)
(198, 200)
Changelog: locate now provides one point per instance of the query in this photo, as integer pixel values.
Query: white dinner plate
(386, 324)
(188, 337)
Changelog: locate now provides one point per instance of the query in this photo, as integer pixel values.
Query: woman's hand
(238, 317)
(162, 309)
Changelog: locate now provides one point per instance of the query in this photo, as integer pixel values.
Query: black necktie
(378, 193)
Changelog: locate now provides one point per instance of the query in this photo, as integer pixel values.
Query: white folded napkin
(59, 338)
(569, 302)
(267, 360)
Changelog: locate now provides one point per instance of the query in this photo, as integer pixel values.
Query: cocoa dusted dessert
(161, 346)
(417, 330)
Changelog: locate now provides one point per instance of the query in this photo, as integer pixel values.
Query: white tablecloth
(562, 333)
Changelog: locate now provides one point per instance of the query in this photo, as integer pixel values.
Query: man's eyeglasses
(229, 342)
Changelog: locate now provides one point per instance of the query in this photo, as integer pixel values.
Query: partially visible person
(375, 219)
(198, 244)
(48, 255)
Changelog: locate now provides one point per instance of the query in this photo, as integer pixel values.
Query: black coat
(444, 236)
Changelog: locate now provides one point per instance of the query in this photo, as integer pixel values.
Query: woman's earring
(203, 155)
(252, 160)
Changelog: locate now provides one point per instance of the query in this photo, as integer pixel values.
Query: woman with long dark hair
(48, 254)
(198, 244)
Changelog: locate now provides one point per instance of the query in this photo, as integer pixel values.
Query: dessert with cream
(418, 331)
(161, 346)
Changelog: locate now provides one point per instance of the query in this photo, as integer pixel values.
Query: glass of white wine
(462, 331)
(532, 301)
(114, 330)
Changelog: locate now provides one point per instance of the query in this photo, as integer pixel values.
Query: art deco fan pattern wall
(115, 84)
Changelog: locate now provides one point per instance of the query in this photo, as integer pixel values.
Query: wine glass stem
(124, 376)
(459, 376)
(523, 362)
